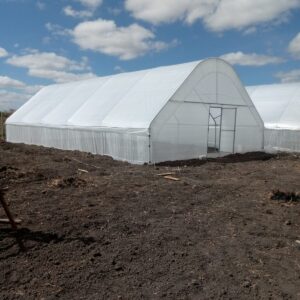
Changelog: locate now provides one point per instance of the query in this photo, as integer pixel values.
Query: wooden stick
(165, 174)
(6, 221)
(81, 162)
(171, 178)
(6, 209)
(11, 220)
(82, 170)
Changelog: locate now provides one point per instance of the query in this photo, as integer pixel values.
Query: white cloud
(57, 30)
(14, 93)
(40, 5)
(231, 14)
(115, 11)
(157, 11)
(252, 59)
(46, 40)
(92, 4)
(217, 15)
(250, 30)
(11, 100)
(32, 89)
(3, 52)
(59, 76)
(51, 66)
(119, 69)
(294, 46)
(7, 82)
(106, 37)
(44, 60)
(14, 84)
(70, 12)
(290, 76)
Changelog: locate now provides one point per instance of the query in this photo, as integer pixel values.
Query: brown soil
(95, 228)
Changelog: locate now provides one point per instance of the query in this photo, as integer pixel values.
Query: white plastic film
(145, 116)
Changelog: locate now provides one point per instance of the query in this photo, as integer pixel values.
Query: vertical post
(149, 145)
(220, 132)
(216, 149)
(234, 130)
(207, 146)
(1, 125)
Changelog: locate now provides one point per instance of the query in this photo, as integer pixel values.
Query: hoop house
(279, 107)
(167, 113)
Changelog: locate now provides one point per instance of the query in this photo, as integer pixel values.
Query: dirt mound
(67, 182)
(285, 196)
(232, 158)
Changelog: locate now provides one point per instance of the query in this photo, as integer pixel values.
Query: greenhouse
(279, 107)
(167, 113)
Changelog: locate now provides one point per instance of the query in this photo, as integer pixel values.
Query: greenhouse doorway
(221, 130)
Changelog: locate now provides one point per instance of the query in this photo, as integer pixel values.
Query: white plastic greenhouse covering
(166, 113)
(279, 107)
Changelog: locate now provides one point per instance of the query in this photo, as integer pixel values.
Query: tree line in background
(3, 117)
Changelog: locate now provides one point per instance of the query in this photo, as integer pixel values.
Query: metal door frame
(221, 125)
(229, 130)
(208, 129)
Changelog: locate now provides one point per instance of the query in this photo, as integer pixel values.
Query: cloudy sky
(49, 41)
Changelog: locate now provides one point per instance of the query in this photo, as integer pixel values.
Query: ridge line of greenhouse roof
(194, 63)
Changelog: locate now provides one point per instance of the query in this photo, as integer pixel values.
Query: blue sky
(49, 41)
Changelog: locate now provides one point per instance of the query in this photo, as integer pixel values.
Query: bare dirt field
(95, 228)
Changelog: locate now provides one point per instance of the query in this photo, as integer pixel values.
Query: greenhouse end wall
(180, 130)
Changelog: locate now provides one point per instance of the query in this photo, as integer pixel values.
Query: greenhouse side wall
(282, 140)
(129, 145)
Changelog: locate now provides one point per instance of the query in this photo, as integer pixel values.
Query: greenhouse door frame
(223, 128)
